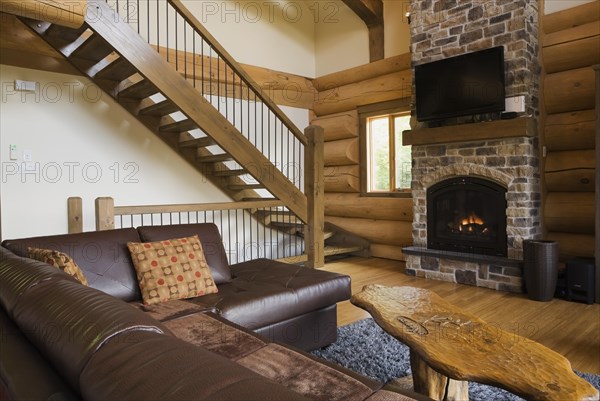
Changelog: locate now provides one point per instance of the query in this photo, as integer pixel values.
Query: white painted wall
(278, 34)
(82, 143)
(396, 28)
(552, 6)
(342, 38)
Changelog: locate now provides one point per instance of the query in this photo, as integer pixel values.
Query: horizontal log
(571, 55)
(342, 179)
(342, 125)
(363, 72)
(570, 131)
(379, 208)
(570, 171)
(65, 13)
(567, 212)
(569, 160)
(385, 232)
(573, 245)
(572, 17)
(344, 98)
(387, 252)
(588, 30)
(342, 152)
(212, 73)
(575, 180)
(571, 90)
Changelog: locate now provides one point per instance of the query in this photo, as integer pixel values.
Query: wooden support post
(597, 233)
(75, 214)
(436, 385)
(315, 194)
(105, 213)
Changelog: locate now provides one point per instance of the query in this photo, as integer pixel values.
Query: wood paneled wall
(385, 222)
(570, 49)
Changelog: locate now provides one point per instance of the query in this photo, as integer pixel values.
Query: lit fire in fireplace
(470, 225)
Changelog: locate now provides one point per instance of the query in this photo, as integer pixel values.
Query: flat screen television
(468, 84)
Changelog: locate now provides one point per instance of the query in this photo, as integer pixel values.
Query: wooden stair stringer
(160, 74)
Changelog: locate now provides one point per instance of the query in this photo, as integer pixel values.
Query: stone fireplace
(507, 167)
(476, 187)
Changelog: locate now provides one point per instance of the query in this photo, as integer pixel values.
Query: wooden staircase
(118, 60)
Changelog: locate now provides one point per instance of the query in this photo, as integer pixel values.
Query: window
(388, 163)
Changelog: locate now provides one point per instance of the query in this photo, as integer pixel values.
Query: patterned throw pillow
(171, 269)
(59, 259)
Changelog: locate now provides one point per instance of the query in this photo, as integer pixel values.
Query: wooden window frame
(394, 107)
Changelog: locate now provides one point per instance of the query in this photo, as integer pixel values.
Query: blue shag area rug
(366, 349)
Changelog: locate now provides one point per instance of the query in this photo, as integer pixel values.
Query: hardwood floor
(569, 328)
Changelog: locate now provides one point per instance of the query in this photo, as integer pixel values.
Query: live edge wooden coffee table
(448, 347)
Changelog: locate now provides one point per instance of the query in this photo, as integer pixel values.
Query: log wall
(571, 40)
(386, 222)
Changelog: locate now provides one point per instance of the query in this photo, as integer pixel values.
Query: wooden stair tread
(230, 173)
(329, 251)
(139, 90)
(179, 126)
(118, 70)
(160, 109)
(197, 143)
(214, 158)
(95, 48)
(241, 187)
(65, 33)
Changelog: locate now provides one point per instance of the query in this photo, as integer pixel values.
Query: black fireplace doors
(467, 214)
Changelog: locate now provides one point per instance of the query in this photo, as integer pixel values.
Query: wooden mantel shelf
(521, 126)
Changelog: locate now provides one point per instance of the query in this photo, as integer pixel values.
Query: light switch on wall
(27, 155)
(13, 152)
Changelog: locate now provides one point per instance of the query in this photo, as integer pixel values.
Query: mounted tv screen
(464, 85)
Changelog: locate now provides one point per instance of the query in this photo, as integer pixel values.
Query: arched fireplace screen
(467, 214)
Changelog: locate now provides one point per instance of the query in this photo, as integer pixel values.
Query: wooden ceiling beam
(371, 12)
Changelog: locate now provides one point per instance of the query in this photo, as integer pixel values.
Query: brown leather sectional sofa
(60, 340)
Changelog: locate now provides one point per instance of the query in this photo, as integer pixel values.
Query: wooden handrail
(220, 50)
(195, 207)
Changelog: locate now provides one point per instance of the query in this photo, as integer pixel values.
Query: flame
(472, 219)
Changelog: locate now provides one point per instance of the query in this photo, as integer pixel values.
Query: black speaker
(581, 280)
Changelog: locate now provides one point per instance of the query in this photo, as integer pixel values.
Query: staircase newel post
(105, 213)
(75, 214)
(314, 183)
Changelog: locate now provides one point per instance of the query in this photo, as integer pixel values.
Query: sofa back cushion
(69, 322)
(209, 235)
(18, 274)
(102, 256)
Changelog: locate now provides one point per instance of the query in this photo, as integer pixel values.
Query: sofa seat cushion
(147, 366)
(102, 256)
(305, 375)
(264, 292)
(219, 336)
(210, 238)
(174, 309)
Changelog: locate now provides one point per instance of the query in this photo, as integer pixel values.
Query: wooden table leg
(435, 385)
